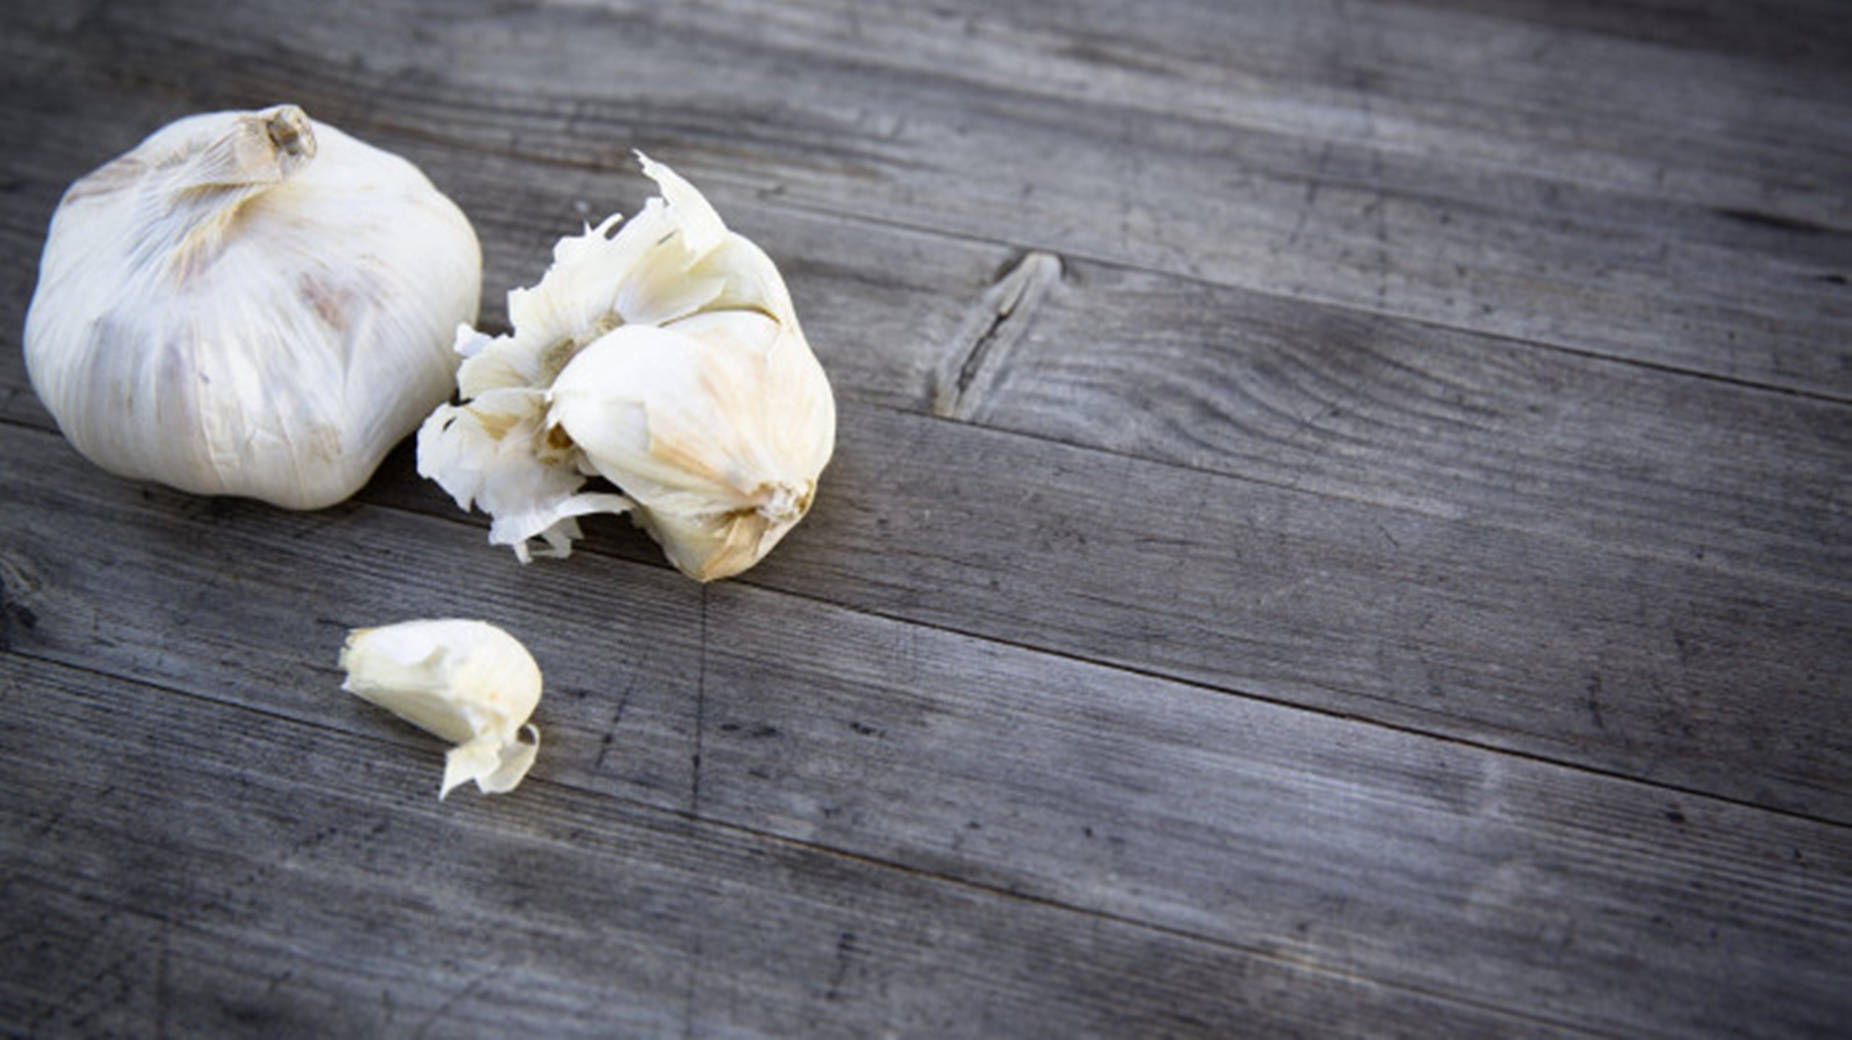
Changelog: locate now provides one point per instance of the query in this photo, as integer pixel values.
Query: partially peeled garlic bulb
(465, 681)
(667, 359)
(250, 303)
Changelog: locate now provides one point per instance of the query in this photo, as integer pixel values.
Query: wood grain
(1219, 379)
(226, 871)
(1386, 212)
(1340, 527)
(1620, 457)
(1674, 670)
(1217, 820)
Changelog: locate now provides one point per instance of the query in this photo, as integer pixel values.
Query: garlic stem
(206, 194)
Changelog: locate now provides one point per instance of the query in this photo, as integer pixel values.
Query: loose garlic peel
(468, 682)
(667, 359)
(250, 303)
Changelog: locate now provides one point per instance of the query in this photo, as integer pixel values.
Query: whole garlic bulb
(666, 359)
(249, 303)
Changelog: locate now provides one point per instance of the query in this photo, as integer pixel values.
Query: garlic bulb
(465, 681)
(666, 359)
(249, 303)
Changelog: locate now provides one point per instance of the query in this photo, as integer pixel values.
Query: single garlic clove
(250, 303)
(681, 419)
(466, 681)
(671, 364)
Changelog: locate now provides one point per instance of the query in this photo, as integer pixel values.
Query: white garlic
(465, 681)
(667, 359)
(250, 304)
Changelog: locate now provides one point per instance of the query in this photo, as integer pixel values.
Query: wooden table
(1341, 525)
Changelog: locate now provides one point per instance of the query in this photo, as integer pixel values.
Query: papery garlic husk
(250, 303)
(468, 682)
(666, 359)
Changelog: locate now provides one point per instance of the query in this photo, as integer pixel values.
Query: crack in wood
(700, 720)
(610, 733)
(980, 353)
(1774, 221)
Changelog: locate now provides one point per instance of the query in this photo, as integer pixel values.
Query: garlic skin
(466, 681)
(250, 303)
(667, 359)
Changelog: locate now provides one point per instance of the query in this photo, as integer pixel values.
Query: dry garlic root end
(465, 681)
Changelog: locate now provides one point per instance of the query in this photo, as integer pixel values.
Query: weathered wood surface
(1342, 524)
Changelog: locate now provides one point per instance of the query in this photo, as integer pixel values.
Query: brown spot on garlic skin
(330, 303)
(192, 256)
(559, 355)
(556, 356)
(495, 424)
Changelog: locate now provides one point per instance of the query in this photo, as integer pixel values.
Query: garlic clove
(249, 303)
(468, 682)
(679, 417)
(672, 365)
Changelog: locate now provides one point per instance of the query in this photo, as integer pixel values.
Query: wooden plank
(1359, 406)
(1690, 501)
(1747, 283)
(1812, 33)
(1043, 674)
(1418, 864)
(1339, 402)
(1282, 392)
(1566, 649)
(1608, 905)
(212, 870)
(1563, 94)
(264, 598)
(1674, 671)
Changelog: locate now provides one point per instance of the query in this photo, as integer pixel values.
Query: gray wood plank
(1747, 283)
(1341, 379)
(1462, 426)
(179, 866)
(1611, 906)
(262, 600)
(1816, 33)
(1647, 494)
(1279, 392)
(1332, 400)
(1672, 670)
(1419, 864)
(1644, 666)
